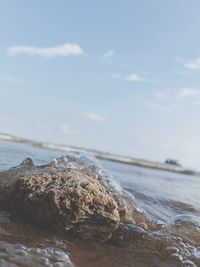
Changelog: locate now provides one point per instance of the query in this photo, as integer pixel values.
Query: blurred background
(119, 76)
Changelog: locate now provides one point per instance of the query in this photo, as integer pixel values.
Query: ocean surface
(170, 199)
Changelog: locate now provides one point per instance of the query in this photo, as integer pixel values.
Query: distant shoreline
(100, 155)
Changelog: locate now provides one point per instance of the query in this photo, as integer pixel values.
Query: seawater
(169, 198)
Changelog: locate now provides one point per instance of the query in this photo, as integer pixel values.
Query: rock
(73, 194)
(66, 199)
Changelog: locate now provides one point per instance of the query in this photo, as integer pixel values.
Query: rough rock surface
(66, 199)
(82, 200)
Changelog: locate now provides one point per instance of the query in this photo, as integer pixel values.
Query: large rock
(66, 199)
(73, 193)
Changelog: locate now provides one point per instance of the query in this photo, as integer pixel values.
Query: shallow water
(171, 199)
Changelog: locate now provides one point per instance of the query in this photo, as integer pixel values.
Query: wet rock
(66, 199)
(71, 193)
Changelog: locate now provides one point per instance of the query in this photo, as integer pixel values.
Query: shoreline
(100, 155)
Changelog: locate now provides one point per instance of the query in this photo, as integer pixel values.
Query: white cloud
(176, 95)
(108, 56)
(94, 117)
(193, 64)
(11, 79)
(188, 92)
(162, 106)
(66, 129)
(134, 77)
(169, 100)
(68, 49)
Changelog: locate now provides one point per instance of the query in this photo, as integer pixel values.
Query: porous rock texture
(67, 199)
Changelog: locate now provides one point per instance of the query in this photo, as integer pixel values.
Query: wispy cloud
(11, 79)
(162, 106)
(64, 50)
(193, 64)
(92, 116)
(189, 64)
(133, 77)
(188, 93)
(173, 99)
(66, 129)
(108, 56)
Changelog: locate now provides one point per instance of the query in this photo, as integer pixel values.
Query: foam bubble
(17, 254)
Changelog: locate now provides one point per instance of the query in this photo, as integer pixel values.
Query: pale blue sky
(116, 75)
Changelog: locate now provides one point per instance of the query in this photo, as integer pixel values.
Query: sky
(121, 76)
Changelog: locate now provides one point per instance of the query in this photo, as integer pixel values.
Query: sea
(171, 199)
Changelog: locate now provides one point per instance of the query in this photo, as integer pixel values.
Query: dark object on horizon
(173, 162)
